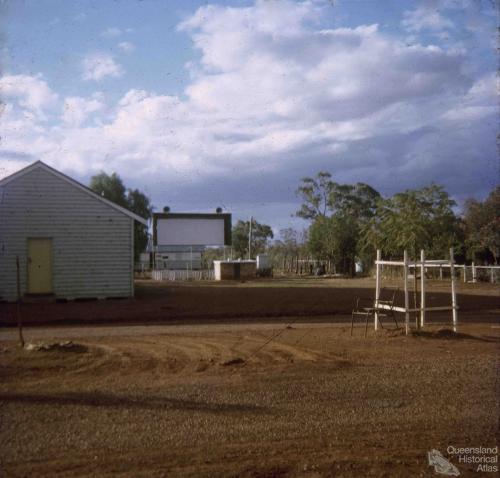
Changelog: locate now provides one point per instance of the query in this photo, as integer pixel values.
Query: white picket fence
(173, 275)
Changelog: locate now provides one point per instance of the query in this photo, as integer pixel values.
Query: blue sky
(203, 104)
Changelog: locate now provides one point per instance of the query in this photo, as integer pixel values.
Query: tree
(357, 200)
(413, 220)
(289, 248)
(261, 233)
(323, 197)
(335, 238)
(291, 242)
(112, 188)
(315, 194)
(482, 227)
(141, 205)
(337, 213)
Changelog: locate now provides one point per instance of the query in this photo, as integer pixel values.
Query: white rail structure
(180, 274)
(407, 265)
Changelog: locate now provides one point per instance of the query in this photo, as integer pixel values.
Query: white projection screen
(190, 232)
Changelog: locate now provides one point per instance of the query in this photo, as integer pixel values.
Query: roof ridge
(38, 163)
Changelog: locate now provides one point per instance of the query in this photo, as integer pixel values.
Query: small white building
(235, 270)
(71, 242)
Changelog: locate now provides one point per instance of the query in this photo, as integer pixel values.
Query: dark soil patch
(235, 361)
(446, 334)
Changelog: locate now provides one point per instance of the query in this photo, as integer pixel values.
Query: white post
(453, 291)
(407, 299)
(377, 286)
(465, 273)
(422, 289)
(440, 272)
(473, 272)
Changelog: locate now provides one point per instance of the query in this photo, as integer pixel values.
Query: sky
(203, 104)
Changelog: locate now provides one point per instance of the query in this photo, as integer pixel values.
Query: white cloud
(126, 46)
(77, 109)
(97, 66)
(426, 18)
(111, 32)
(30, 92)
(479, 102)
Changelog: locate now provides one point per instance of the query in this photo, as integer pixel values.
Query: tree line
(347, 223)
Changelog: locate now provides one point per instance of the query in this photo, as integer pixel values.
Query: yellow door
(39, 266)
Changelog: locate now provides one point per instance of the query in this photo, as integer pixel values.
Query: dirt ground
(250, 399)
(200, 302)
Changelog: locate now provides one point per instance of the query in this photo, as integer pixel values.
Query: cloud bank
(273, 96)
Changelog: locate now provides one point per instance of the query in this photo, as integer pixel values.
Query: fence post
(377, 286)
(465, 273)
(19, 319)
(453, 291)
(473, 272)
(407, 299)
(422, 289)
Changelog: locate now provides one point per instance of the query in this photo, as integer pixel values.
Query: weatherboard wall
(92, 242)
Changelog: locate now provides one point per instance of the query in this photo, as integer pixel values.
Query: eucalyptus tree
(482, 227)
(112, 188)
(261, 233)
(337, 213)
(413, 220)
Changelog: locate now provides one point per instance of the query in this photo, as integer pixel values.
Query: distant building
(179, 239)
(235, 270)
(71, 242)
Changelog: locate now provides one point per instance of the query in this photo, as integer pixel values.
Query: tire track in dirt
(108, 357)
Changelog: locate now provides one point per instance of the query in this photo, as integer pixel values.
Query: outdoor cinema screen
(192, 231)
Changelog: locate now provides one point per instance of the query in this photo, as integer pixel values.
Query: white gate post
(407, 301)
(473, 272)
(453, 291)
(422, 289)
(377, 286)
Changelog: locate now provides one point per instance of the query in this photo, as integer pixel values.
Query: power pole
(250, 240)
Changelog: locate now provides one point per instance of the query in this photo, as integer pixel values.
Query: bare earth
(210, 399)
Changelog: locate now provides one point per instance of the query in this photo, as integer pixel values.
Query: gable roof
(85, 189)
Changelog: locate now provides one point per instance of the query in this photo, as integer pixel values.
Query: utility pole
(250, 240)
